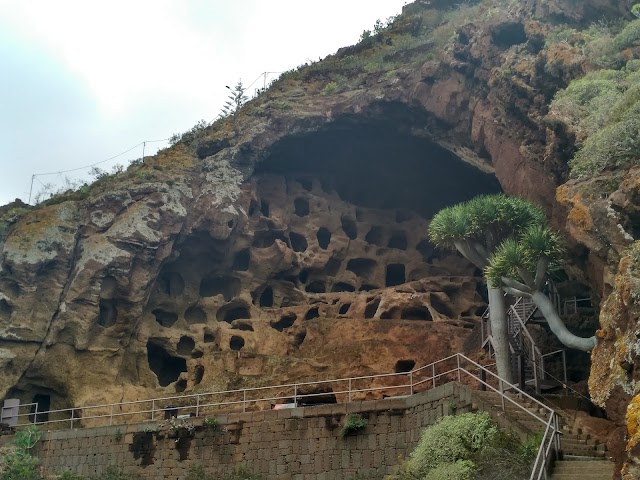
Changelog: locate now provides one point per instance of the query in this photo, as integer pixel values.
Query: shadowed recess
(373, 163)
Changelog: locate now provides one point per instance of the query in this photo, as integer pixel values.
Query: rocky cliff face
(289, 241)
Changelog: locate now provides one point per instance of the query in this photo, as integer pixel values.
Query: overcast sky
(81, 80)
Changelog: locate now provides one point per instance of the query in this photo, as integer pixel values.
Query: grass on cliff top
(602, 108)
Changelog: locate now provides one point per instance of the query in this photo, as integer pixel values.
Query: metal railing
(452, 368)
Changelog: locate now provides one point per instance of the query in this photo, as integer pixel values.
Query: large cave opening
(376, 163)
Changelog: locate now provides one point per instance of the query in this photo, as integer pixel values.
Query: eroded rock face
(216, 282)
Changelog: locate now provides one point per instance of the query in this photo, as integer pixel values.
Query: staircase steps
(582, 469)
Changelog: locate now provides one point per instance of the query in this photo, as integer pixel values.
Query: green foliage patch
(353, 424)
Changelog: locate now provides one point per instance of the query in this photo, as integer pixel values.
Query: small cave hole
(228, 287)
(324, 237)
(209, 337)
(405, 366)
(362, 267)
(171, 284)
(312, 313)
(342, 287)
(43, 402)
(371, 308)
(108, 287)
(426, 249)
(416, 313)
(241, 261)
(403, 216)
(349, 227)
(164, 318)
(108, 314)
(391, 314)
(197, 354)
(298, 242)
(304, 276)
(236, 343)
(198, 374)
(181, 385)
(5, 308)
(299, 337)
(264, 208)
(508, 35)
(318, 398)
(316, 287)
(253, 208)
(266, 298)
(230, 224)
(395, 275)
(306, 183)
(398, 240)
(242, 326)
(185, 345)
(332, 267)
(441, 307)
(344, 308)
(287, 320)
(166, 367)
(301, 206)
(359, 215)
(194, 315)
(375, 236)
(231, 313)
(267, 239)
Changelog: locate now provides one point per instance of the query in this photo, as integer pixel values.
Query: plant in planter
(354, 424)
(177, 428)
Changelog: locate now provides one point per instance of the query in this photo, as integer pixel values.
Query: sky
(82, 81)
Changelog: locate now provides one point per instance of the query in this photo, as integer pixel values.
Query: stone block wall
(291, 444)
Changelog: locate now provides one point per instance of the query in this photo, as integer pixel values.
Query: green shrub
(460, 470)
(629, 36)
(330, 88)
(452, 439)
(70, 476)
(241, 473)
(211, 422)
(16, 463)
(115, 473)
(353, 424)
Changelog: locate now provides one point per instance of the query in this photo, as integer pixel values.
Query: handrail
(549, 443)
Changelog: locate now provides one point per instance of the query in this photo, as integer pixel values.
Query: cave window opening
(194, 315)
(317, 398)
(236, 343)
(304, 276)
(324, 237)
(371, 308)
(198, 374)
(181, 385)
(298, 242)
(405, 366)
(349, 227)
(508, 35)
(403, 216)
(416, 313)
(267, 239)
(441, 307)
(332, 267)
(312, 313)
(241, 261)
(107, 316)
(43, 402)
(344, 308)
(197, 354)
(306, 183)
(233, 313)
(342, 287)
(395, 275)
(5, 308)
(209, 337)
(316, 287)
(164, 318)
(242, 326)
(228, 287)
(426, 249)
(299, 338)
(166, 367)
(301, 206)
(286, 321)
(374, 236)
(362, 267)
(171, 284)
(264, 208)
(185, 345)
(367, 287)
(398, 241)
(230, 224)
(253, 208)
(266, 298)
(391, 314)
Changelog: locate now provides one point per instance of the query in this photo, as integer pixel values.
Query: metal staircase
(527, 360)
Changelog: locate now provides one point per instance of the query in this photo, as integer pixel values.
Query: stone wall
(301, 443)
